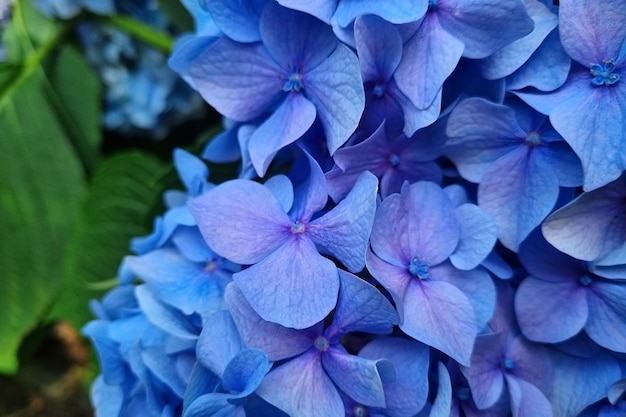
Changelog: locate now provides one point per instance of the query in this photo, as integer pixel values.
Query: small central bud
(603, 74)
(293, 83)
(321, 344)
(297, 227)
(394, 160)
(210, 266)
(533, 139)
(359, 411)
(379, 90)
(508, 364)
(585, 280)
(419, 269)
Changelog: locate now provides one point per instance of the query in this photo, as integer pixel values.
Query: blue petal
(478, 236)
(218, 342)
(429, 57)
(301, 387)
(360, 307)
(240, 80)
(592, 31)
(107, 399)
(238, 19)
(282, 188)
(485, 375)
(401, 11)
(592, 122)
(373, 36)
(344, 231)
(245, 371)
(241, 220)
(294, 286)
(607, 315)
(358, 377)
(519, 190)
(474, 23)
(277, 341)
(163, 316)
(322, 9)
(408, 393)
(336, 89)
(214, 404)
(287, 123)
(579, 382)
(443, 402)
(526, 399)
(311, 193)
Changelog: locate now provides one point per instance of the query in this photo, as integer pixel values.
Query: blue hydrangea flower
(289, 79)
(289, 281)
(315, 365)
(66, 9)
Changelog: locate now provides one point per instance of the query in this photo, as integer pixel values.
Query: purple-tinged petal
(479, 233)
(519, 190)
(612, 265)
(550, 312)
(414, 118)
(245, 371)
(238, 19)
(277, 341)
(344, 231)
(431, 225)
(302, 43)
(241, 220)
(475, 23)
(429, 57)
(400, 11)
(240, 80)
(531, 362)
(224, 147)
(389, 238)
(361, 307)
(566, 164)
(607, 315)
(379, 47)
(294, 286)
(543, 261)
(358, 377)
(592, 31)
(322, 9)
(301, 387)
(218, 342)
(311, 193)
(336, 89)
(592, 122)
(579, 382)
(443, 402)
(439, 315)
(590, 226)
(287, 123)
(508, 59)
(408, 393)
(485, 376)
(526, 399)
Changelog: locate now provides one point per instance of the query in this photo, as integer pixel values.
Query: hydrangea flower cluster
(429, 218)
(142, 95)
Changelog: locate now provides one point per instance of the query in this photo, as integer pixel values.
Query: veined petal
(607, 315)
(358, 377)
(485, 375)
(241, 220)
(439, 315)
(379, 47)
(479, 233)
(592, 31)
(277, 341)
(336, 89)
(322, 9)
(218, 343)
(344, 231)
(526, 399)
(301, 387)
(389, 238)
(429, 57)
(294, 286)
(287, 123)
(238, 19)
(443, 402)
(240, 80)
(245, 371)
(401, 11)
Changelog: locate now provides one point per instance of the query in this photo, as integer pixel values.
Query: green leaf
(119, 204)
(47, 145)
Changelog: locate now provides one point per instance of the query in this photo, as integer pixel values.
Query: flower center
(508, 364)
(297, 227)
(359, 411)
(419, 269)
(210, 266)
(293, 83)
(533, 139)
(394, 160)
(379, 90)
(585, 280)
(321, 344)
(603, 74)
